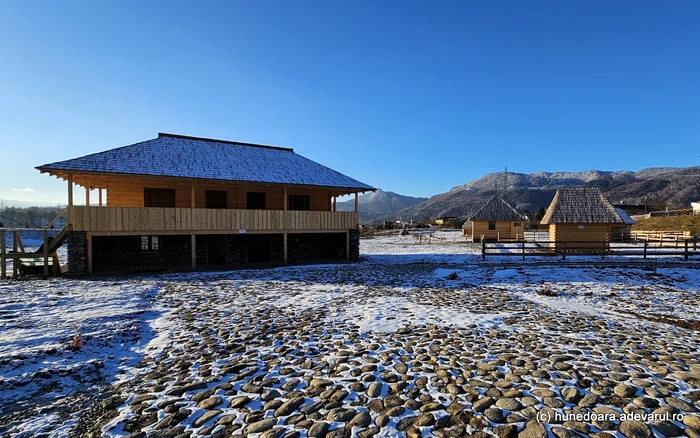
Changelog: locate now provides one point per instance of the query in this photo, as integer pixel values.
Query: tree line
(27, 217)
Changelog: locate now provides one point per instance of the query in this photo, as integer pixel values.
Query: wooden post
(335, 205)
(286, 200)
(645, 249)
(99, 197)
(284, 247)
(192, 204)
(483, 249)
(686, 250)
(89, 254)
(347, 245)
(46, 253)
(356, 203)
(70, 190)
(15, 265)
(87, 196)
(3, 257)
(193, 250)
(523, 250)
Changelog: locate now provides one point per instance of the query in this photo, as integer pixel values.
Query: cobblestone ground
(417, 350)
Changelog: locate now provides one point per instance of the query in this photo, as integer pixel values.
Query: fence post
(563, 250)
(646, 242)
(523, 250)
(483, 249)
(686, 250)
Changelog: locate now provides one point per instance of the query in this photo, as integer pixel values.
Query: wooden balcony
(130, 220)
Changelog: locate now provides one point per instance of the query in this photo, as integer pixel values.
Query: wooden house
(580, 220)
(178, 201)
(496, 221)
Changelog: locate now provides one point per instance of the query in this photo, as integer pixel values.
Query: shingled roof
(497, 209)
(173, 155)
(580, 205)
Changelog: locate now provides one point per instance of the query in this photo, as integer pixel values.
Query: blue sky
(413, 97)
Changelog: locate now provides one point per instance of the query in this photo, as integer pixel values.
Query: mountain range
(658, 187)
(374, 205)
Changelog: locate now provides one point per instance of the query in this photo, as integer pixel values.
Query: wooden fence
(134, 219)
(642, 249)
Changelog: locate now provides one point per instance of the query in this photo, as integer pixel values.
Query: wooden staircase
(42, 262)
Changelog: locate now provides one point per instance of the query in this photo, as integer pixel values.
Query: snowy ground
(417, 339)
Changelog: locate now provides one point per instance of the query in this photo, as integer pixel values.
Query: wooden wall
(128, 192)
(562, 233)
(506, 230)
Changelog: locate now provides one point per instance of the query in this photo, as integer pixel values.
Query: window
(299, 202)
(149, 243)
(492, 225)
(255, 201)
(517, 224)
(215, 199)
(159, 198)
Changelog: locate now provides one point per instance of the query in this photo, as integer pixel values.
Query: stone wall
(77, 252)
(237, 249)
(355, 244)
(123, 254)
(302, 248)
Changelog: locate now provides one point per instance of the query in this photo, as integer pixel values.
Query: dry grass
(672, 223)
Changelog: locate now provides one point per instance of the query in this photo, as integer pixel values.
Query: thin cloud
(23, 190)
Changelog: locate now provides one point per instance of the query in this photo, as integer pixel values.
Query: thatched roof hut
(580, 219)
(497, 220)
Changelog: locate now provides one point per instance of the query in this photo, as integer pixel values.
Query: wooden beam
(284, 240)
(335, 205)
(46, 253)
(356, 202)
(286, 200)
(193, 248)
(192, 197)
(3, 258)
(89, 254)
(70, 190)
(87, 196)
(15, 267)
(99, 196)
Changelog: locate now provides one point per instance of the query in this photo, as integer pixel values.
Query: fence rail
(644, 249)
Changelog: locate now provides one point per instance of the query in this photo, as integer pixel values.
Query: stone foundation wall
(303, 248)
(77, 252)
(237, 249)
(123, 253)
(355, 244)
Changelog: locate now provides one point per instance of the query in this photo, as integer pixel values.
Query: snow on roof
(625, 217)
(173, 155)
(497, 209)
(581, 205)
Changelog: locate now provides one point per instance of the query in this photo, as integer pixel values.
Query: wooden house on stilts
(178, 202)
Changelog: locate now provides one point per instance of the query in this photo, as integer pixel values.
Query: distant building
(581, 219)
(497, 220)
(696, 207)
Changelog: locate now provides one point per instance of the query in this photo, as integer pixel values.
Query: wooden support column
(70, 190)
(87, 196)
(335, 203)
(46, 253)
(284, 245)
(3, 257)
(89, 254)
(15, 265)
(99, 197)
(356, 202)
(347, 245)
(193, 248)
(286, 200)
(192, 204)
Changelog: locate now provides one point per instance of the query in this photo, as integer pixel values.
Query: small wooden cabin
(497, 221)
(177, 202)
(621, 231)
(580, 219)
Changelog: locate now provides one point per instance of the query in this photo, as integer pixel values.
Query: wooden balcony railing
(153, 219)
